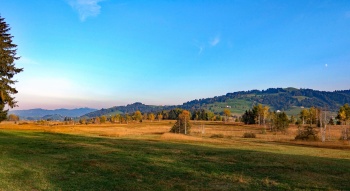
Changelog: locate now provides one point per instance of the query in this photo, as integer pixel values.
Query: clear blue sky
(102, 53)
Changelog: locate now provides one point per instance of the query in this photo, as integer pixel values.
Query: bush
(309, 133)
(249, 135)
(217, 136)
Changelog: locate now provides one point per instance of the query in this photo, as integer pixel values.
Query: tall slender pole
(185, 126)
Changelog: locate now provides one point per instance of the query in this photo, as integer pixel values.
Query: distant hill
(130, 108)
(291, 100)
(34, 114)
(285, 99)
(55, 117)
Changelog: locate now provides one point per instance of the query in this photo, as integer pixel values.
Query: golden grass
(201, 132)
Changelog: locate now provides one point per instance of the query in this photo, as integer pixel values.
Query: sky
(104, 53)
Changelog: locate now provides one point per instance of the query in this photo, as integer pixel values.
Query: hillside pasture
(237, 106)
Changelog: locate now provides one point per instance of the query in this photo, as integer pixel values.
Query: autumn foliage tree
(182, 124)
(307, 130)
(227, 114)
(137, 116)
(82, 121)
(344, 114)
(344, 117)
(13, 117)
(7, 69)
(97, 120)
(151, 116)
(262, 113)
(159, 116)
(103, 119)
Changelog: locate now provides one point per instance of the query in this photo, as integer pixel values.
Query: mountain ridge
(39, 113)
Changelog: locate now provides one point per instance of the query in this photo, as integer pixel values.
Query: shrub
(249, 135)
(217, 136)
(309, 133)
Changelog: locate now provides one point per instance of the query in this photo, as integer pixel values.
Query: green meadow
(37, 160)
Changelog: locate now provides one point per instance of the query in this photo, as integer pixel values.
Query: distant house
(302, 107)
(228, 106)
(278, 111)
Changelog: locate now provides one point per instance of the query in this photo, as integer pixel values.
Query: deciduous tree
(159, 116)
(103, 119)
(151, 116)
(82, 120)
(344, 114)
(227, 114)
(13, 117)
(97, 120)
(262, 113)
(304, 115)
(182, 124)
(137, 116)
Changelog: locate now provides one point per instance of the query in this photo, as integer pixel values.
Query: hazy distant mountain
(291, 100)
(40, 113)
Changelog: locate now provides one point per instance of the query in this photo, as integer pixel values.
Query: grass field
(238, 106)
(143, 156)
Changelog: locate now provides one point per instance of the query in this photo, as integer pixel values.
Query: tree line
(281, 98)
(311, 121)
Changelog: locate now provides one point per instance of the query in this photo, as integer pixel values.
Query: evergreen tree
(281, 122)
(7, 69)
(331, 121)
(249, 117)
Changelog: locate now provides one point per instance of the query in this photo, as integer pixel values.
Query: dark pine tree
(7, 69)
(249, 117)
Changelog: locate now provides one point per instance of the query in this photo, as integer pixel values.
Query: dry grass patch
(181, 137)
(230, 133)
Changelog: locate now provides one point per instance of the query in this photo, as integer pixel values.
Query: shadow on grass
(46, 161)
(311, 144)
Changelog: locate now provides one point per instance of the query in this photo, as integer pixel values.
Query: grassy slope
(238, 106)
(31, 160)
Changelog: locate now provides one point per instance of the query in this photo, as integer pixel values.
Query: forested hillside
(285, 99)
(282, 98)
